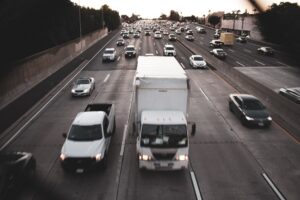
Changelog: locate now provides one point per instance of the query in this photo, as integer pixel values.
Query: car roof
(169, 45)
(109, 49)
(196, 56)
(244, 96)
(130, 46)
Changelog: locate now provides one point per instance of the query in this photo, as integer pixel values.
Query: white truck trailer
(161, 105)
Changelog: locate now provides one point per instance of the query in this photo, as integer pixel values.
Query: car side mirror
(193, 131)
(64, 135)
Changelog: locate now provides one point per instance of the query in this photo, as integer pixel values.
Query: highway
(227, 160)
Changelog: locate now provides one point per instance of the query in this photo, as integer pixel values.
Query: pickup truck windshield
(164, 136)
(85, 133)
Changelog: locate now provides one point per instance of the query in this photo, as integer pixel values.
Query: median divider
(283, 111)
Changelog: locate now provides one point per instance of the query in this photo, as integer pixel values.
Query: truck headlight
(98, 157)
(269, 118)
(249, 118)
(62, 157)
(144, 157)
(182, 157)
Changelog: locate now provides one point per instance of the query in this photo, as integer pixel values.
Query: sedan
(215, 43)
(291, 93)
(189, 38)
(120, 42)
(219, 53)
(241, 39)
(265, 51)
(83, 87)
(172, 37)
(249, 110)
(16, 169)
(197, 61)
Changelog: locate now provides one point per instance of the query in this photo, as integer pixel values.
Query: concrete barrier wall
(286, 113)
(28, 72)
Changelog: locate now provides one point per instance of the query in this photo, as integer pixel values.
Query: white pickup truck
(88, 139)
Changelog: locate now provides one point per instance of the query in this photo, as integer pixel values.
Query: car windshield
(82, 81)
(253, 104)
(170, 48)
(220, 51)
(109, 52)
(198, 58)
(85, 133)
(164, 136)
(130, 49)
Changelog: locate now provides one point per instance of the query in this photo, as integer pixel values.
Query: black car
(219, 53)
(291, 93)
(16, 169)
(249, 110)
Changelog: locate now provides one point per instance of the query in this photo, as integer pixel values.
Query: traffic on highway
(166, 110)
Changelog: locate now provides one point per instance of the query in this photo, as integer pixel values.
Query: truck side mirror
(193, 129)
(64, 135)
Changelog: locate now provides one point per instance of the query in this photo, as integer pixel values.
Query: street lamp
(80, 31)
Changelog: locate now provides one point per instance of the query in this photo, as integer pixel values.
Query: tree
(174, 16)
(163, 17)
(280, 24)
(214, 20)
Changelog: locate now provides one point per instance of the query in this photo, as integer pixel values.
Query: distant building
(245, 25)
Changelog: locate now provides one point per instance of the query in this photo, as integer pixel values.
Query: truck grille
(163, 156)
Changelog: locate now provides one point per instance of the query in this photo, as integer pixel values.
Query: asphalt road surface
(227, 160)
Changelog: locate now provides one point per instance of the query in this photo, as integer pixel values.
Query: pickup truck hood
(82, 87)
(82, 149)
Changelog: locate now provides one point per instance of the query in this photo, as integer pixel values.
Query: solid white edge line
(279, 195)
(259, 62)
(195, 185)
(282, 64)
(106, 78)
(38, 112)
(206, 97)
(123, 140)
(240, 63)
(182, 65)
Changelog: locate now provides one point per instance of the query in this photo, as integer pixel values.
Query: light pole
(80, 32)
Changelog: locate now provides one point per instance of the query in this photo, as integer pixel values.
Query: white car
(178, 31)
(169, 50)
(83, 87)
(219, 53)
(197, 61)
(165, 33)
(109, 54)
(157, 35)
(130, 51)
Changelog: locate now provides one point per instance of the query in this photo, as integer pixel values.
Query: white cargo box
(160, 85)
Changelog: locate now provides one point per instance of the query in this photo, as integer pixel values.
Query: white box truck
(161, 105)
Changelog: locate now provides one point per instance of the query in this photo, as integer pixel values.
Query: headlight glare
(62, 157)
(182, 157)
(249, 118)
(144, 157)
(98, 157)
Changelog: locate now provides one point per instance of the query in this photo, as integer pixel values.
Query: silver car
(197, 61)
(83, 87)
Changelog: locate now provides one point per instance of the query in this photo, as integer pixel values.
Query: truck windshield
(164, 136)
(85, 133)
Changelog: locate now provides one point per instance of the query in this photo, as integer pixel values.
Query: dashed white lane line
(247, 50)
(231, 50)
(182, 65)
(106, 78)
(259, 62)
(154, 43)
(277, 192)
(50, 100)
(195, 185)
(282, 64)
(156, 51)
(123, 140)
(118, 58)
(240, 64)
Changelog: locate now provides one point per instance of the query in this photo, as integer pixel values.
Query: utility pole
(80, 32)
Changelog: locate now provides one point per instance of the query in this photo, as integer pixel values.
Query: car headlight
(73, 90)
(269, 118)
(86, 90)
(145, 157)
(182, 157)
(62, 157)
(249, 118)
(98, 157)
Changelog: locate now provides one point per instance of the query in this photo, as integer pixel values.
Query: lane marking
(123, 140)
(247, 50)
(231, 50)
(206, 97)
(106, 78)
(54, 96)
(277, 192)
(182, 65)
(240, 63)
(156, 51)
(154, 43)
(195, 185)
(118, 58)
(259, 62)
(282, 63)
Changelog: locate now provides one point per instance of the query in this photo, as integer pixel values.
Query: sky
(154, 8)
